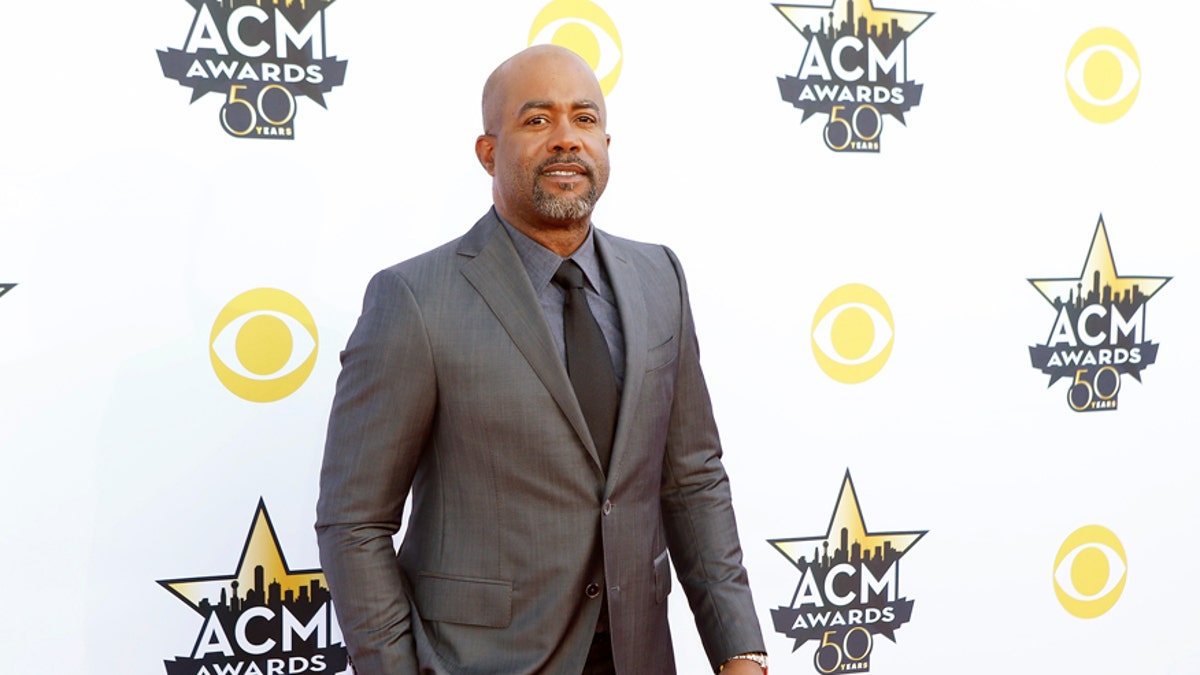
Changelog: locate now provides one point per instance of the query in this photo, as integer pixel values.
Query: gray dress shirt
(541, 263)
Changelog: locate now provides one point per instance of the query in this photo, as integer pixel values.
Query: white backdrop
(129, 219)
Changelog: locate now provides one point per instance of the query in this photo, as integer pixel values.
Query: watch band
(757, 657)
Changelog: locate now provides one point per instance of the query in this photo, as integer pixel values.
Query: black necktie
(589, 363)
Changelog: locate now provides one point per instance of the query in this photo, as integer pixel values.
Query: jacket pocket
(661, 355)
(662, 577)
(465, 600)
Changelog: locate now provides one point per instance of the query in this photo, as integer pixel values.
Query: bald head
(545, 145)
(549, 61)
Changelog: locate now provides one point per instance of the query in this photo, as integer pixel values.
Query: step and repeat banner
(942, 256)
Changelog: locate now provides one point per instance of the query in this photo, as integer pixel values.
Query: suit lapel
(498, 275)
(631, 305)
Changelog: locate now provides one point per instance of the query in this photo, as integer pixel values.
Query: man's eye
(536, 121)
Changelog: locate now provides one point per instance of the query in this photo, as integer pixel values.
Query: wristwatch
(757, 657)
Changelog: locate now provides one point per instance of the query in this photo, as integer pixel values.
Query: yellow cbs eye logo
(852, 334)
(584, 28)
(1103, 75)
(1089, 571)
(263, 345)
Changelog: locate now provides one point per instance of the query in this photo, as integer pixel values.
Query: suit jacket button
(607, 507)
(592, 591)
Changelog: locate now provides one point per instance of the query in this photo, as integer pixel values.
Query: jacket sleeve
(382, 414)
(698, 512)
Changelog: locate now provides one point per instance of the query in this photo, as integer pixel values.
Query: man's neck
(562, 238)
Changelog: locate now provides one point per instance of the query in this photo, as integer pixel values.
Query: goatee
(573, 206)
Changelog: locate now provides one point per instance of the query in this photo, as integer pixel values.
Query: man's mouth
(561, 169)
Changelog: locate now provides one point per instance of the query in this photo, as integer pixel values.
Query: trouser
(600, 658)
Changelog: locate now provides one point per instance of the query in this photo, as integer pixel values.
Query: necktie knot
(569, 275)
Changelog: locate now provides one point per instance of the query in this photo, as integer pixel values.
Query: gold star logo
(812, 18)
(1099, 272)
(847, 534)
(262, 574)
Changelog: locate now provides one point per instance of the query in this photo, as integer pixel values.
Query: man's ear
(485, 150)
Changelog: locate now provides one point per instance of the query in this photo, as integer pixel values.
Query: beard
(575, 206)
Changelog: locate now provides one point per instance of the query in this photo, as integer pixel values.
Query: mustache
(569, 158)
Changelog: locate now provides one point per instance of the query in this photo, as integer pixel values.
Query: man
(540, 528)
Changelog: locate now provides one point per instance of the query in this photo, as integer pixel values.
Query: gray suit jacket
(451, 385)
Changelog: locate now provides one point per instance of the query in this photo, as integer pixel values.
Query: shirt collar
(541, 263)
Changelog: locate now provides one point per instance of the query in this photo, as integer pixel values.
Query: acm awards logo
(586, 29)
(263, 345)
(853, 333)
(264, 619)
(854, 69)
(1099, 331)
(258, 61)
(1103, 75)
(849, 588)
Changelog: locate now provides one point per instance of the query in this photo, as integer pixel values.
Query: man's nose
(565, 138)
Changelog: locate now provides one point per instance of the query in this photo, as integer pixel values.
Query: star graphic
(261, 550)
(847, 515)
(1099, 271)
(812, 18)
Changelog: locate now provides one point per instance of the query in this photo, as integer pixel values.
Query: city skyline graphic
(1104, 285)
(847, 534)
(829, 597)
(853, 69)
(287, 4)
(266, 588)
(888, 27)
(1099, 331)
(261, 556)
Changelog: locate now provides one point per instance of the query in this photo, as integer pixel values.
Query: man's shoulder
(447, 258)
(639, 253)
(424, 262)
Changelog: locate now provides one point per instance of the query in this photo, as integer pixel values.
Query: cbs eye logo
(263, 345)
(1103, 75)
(852, 334)
(584, 28)
(1089, 571)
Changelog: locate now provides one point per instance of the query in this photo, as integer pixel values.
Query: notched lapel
(498, 275)
(631, 305)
